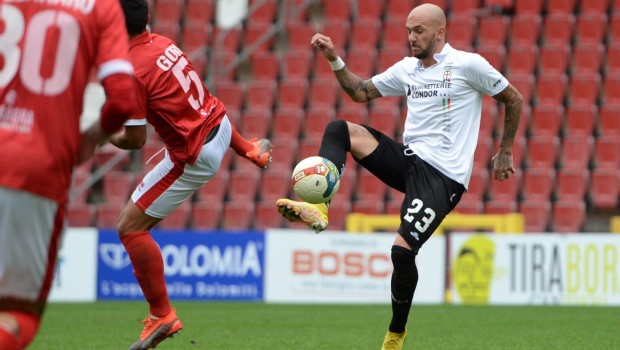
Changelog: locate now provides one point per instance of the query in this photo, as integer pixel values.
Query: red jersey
(172, 97)
(48, 49)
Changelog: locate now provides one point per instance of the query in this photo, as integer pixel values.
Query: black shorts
(429, 194)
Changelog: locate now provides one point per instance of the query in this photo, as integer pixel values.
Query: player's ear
(441, 33)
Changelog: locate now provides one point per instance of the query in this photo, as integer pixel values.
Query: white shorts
(30, 231)
(168, 185)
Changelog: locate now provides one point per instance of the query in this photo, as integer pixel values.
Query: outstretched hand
(325, 45)
(502, 166)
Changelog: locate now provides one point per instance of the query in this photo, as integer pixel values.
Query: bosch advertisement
(208, 266)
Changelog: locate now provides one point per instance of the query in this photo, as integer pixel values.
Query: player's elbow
(121, 102)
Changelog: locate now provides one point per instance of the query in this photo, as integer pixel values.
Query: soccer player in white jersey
(444, 89)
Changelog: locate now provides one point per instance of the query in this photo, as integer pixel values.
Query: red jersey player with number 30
(48, 49)
(196, 132)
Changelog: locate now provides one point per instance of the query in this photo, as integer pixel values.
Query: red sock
(28, 327)
(148, 267)
(8, 340)
(239, 143)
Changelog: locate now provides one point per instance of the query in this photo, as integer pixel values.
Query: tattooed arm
(502, 161)
(359, 90)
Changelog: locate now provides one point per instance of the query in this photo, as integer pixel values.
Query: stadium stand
(562, 55)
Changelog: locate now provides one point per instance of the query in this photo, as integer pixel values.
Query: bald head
(429, 14)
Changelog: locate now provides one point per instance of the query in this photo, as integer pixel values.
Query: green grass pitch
(257, 326)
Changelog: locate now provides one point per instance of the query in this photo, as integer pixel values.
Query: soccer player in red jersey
(48, 49)
(196, 132)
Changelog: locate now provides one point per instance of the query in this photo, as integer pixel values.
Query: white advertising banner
(570, 269)
(302, 267)
(76, 271)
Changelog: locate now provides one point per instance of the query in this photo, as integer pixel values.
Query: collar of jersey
(140, 39)
(438, 56)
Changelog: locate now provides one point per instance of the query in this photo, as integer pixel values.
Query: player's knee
(405, 269)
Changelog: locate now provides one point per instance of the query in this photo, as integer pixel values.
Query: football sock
(148, 267)
(239, 144)
(336, 143)
(404, 281)
(28, 327)
(8, 340)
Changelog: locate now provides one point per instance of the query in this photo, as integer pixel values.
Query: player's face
(422, 40)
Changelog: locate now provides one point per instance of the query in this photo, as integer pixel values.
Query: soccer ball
(315, 180)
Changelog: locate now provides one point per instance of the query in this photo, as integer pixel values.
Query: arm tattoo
(511, 97)
(359, 90)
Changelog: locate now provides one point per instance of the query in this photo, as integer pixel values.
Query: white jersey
(444, 103)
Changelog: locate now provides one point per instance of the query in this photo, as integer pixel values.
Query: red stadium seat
(478, 182)
(323, 93)
(611, 89)
(287, 122)
(612, 59)
(169, 29)
(547, 120)
(274, 184)
(316, 121)
(469, 206)
(493, 30)
(537, 215)
(238, 215)
(591, 28)
(292, 93)
(505, 190)
(81, 214)
(340, 10)
(525, 30)
(195, 36)
(551, 89)
(389, 56)
(605, 188)
(231, 40)
(554, 59)
(299, 35)
(206, 216)
(521, 59)
(108, 215)
(529, 7)
(587, 58)
(309, 146)
(609, 120)
(369, 187)
(542, 151)
(214, 191)
(488, 119)
(558, 29)
(337, 29)
(267, 216)
(338, 211)
(561, 6)
(607, 152)
(357, 114)
(117, 186)
(230, 93)
(580, 120)
(613, 34)
(284, 152)
(255, 122)
(169, 11)
(243, 185)
(538, 184)
(265, 65)
(594, 6)
(179, 219)
(361, 61)
(394, 35)
(495, 55)
(395, 9)
(365, 34)
(576, 151)
(462, 31)
(483, 153)
(368, 206)
(572, 184)
(464, 7)
(568, 216)
(369, 10)
(265, 13)
(199, 11)
(384, 119)
(80, 177)
(261, 94)
(348, 180)
(584, 89)
(500, 207)
(257, 36)
(296, 64)
(525, 83)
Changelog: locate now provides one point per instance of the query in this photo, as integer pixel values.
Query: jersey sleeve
(113, 43)
(483, 77)
(389, 83)
(139, 117)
